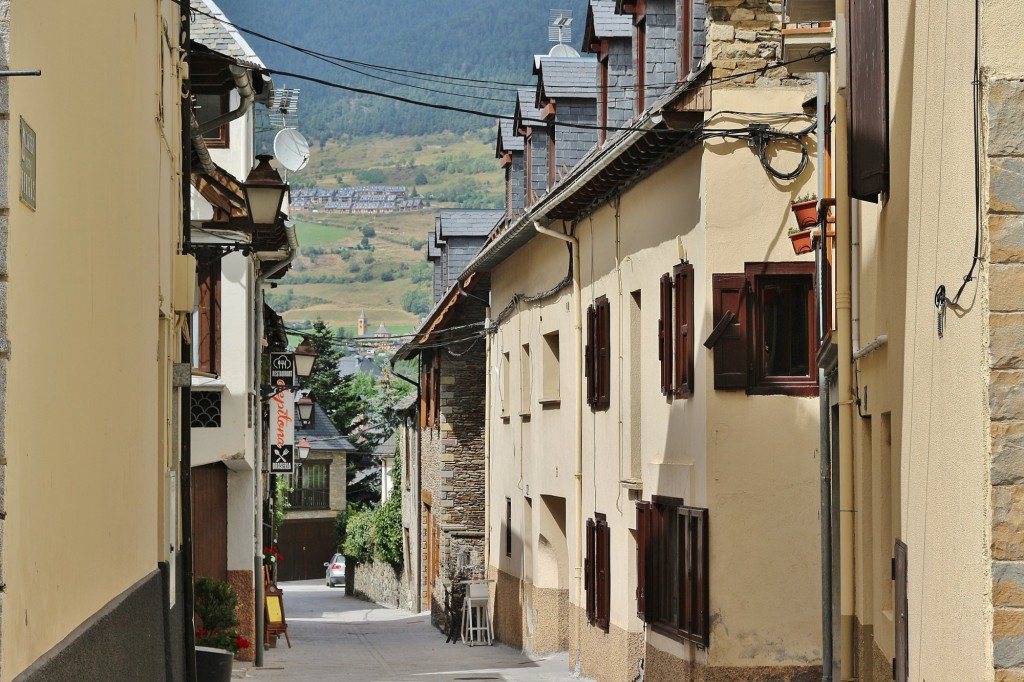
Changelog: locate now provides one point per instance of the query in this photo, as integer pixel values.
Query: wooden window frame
(686, 558)
(220, 138)
(868, 98)
(552, 161)
(597, 569)
(640, 59)
(685, 38)
(675, 332)
(597, 354)
(738, 328)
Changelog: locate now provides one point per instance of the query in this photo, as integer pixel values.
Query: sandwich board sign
(282, 369)
(282, 433)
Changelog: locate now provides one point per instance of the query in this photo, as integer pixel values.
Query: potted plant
(805, 208)
(217, 638)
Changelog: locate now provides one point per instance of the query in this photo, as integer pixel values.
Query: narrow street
(335, 637)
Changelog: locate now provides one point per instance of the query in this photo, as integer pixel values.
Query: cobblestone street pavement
(335, 637)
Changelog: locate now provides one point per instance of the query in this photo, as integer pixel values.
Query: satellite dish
(291, 149)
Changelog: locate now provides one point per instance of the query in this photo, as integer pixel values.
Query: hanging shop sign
(282, 433)
(282, 369)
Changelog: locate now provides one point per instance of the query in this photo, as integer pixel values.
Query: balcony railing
(310, 498)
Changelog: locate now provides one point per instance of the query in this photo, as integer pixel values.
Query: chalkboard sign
(273, 609)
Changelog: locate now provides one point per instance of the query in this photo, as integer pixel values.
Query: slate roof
(432, 249)
(467, 222)
(217, 36)
(572, 77)
(508, 141)
(322, 434)
(356, 364)
(608, 24)
(526, 109)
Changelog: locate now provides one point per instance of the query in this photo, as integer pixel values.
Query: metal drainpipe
(574, 245)
(246, 94)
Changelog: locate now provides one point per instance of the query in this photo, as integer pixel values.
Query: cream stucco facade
(90, 335)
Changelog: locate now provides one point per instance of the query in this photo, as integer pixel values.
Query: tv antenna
(284, 108)
(560, 32)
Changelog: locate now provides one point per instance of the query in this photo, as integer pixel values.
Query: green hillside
(377, 262)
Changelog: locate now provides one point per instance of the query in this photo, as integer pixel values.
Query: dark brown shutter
(641, 64)
(643, 541)
(588, 354)
(868, 98)
(603, 355)
(665, 333)
(588, 573)
(604, 594)
(731, 348)
(207, 336)
(901, 664)
(701, 611)
(683, 275)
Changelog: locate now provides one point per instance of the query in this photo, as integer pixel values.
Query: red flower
(200, 632)
(241, 642)
(280, 557)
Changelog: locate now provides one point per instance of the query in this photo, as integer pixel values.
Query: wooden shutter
(207, 337)
(665, 333)
(701, 564)
(603, 355)
(731, 347)
(588, 573)
(868, 98)
(901, 664)
(603, 583)
(683, 379)
(643, 541)
(588, 354)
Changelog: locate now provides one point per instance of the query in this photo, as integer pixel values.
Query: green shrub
(359, 535)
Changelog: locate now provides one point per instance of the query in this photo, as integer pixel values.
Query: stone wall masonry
(621, 83)
(517, 177)
(662, 59)
(745, 36)
(539, 164)
(381, 583)
(1005, 115)
(572, 144)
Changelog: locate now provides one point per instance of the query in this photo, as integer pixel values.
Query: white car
(335, 570)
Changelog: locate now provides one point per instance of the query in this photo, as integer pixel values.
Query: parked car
(335, 570)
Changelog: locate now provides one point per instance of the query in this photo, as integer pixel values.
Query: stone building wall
(380, 582)
(747, 36)
(1005, 151)
(572, 144)
(621, 83)
(5, 53)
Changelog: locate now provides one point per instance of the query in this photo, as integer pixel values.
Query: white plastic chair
(476, 619)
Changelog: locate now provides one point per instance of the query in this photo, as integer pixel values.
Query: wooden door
(305, 545)
(210, 521)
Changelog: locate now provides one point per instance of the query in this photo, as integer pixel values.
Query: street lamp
(304, 405)
(264, 192)
(303, 447)
(305, 356)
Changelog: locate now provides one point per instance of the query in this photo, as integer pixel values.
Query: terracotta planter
(213, 665)
(806, 213)
(802, 241)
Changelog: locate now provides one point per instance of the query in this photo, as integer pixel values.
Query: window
(675, 337)
(550, 370)
(206, 320)
(528, 168)
(602, 65)
(208, 107)
(430, 396)
(597, 357)
(692, 35)
(508, 526)
(673, 569)
(312, 489)
(597, 567)
(205, 409)
(764, 336)
(28, 165)
(868, 97)
(525, 380)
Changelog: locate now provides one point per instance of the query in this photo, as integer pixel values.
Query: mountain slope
(488, 40)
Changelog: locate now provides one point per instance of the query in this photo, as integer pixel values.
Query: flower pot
(213, 665)
(806, 213)
(802, 241)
